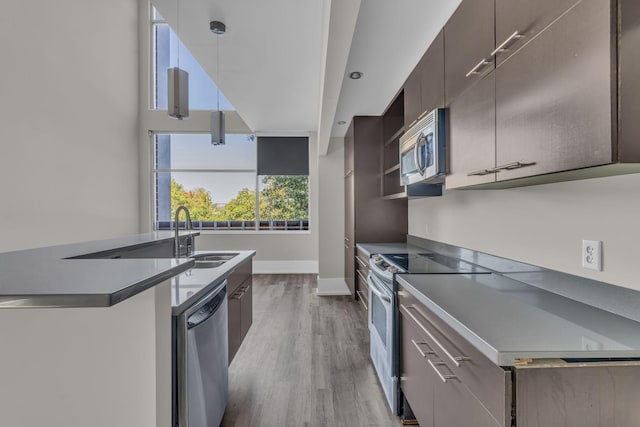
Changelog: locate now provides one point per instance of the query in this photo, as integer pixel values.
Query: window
(242, 185)
(203, 92)
(218, 185)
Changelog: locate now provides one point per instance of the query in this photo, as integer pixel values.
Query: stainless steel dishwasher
(201, 362)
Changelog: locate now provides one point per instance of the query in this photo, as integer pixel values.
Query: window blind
(283, 155)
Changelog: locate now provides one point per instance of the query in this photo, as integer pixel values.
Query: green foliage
(240, 208)
(198, 202)
(282, 198)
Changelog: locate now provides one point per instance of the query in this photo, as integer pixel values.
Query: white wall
(543, 225)
(68, 121)
(331, 212)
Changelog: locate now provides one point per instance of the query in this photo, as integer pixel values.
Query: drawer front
(455, 405)
(417, 379)
(488, 382)
(239, 276)
(362, 262)
(362, 289)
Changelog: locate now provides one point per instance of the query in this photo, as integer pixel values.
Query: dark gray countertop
(43, 277)
(388, 248)
(507, 319)
(615, 299)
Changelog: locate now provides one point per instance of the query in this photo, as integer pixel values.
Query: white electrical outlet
(592, 254)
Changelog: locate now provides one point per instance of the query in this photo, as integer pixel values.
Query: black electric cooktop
(424, 263)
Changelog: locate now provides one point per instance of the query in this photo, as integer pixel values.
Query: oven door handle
(374, 288)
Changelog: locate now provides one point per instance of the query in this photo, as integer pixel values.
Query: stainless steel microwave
(422, 150)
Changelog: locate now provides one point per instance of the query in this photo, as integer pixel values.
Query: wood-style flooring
(305, 361)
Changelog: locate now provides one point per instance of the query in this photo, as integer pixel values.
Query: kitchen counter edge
(59, 255)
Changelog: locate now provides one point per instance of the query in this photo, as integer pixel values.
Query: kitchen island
(87, 340)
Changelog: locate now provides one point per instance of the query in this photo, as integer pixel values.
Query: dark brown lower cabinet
(449, 383)
(555, 393)
(362, 271)
(240, 306)
(441, 393)
(417, 382)
(455, 405)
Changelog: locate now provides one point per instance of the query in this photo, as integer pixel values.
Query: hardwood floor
(305, 361)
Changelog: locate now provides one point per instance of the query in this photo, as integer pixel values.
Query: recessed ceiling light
(342, 122)
(355, 75)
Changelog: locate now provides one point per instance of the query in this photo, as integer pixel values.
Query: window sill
(254, 232)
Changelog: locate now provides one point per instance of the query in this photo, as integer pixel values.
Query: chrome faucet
(177, 252)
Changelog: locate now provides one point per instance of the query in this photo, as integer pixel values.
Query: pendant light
(178, 83)
(217, 117)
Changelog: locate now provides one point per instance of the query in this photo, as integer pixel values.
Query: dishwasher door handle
(209, 308)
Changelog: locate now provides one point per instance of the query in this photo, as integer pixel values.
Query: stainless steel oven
(383, 309)
(381, 332)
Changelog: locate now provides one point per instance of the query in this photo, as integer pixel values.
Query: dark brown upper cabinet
(412, 97)
(471, 136)
(432, 84)
(628, 82)
(519, 21)
(555, 107)
(424, 88)
(468, 42)
(554, 104)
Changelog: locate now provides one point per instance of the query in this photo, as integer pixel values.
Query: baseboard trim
(332, 286)
(285, 267)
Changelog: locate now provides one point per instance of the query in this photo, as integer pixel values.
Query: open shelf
(392, 130)
(396, 136)
(391, 182)
(395, 196)
(392, 169)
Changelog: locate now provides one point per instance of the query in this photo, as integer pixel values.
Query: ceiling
(284, 64)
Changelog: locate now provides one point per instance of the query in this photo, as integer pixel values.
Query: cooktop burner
(423, 263)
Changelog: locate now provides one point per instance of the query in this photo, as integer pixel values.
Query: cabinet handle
(361, 277)
(412, 123)
(455, 359)
(481, 172)
(346, 239)
(424, 113)
(348, 174)
(346, 246)
(479, 65)
(514, 165)
(362, 263)
(503, 47)
(444, 378)
(240, 293)
(422, 353)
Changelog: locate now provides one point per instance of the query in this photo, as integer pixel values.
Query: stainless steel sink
(212, 259)
(214, 256)
(208, 264)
